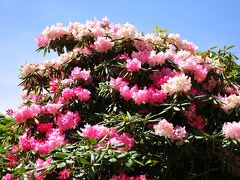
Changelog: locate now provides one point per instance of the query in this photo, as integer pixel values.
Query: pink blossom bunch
(78, 73)
(25, 113)
(103, 44)
(123, 176)
(82, 94)
(69, 120)
(54, 138)
(8, 176)
(133, 64)
(229, 102)
(142, 96)
(113, 137)
(180, 83)
(51, 33)
(231, 130)
(166, 129)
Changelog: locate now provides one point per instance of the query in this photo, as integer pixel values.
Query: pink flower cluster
(113, 137)
(229, 102)
(82, 94)
(166, 129)
(133, 64)
(123, 176)
(139, 96)
(24, 113)
(231, 130)
(103, 44)
(78, 73)
(67, 121)
(7, 177)
(54, 138)
(179, 83)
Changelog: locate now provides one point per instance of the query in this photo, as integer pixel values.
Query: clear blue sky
(205, 22)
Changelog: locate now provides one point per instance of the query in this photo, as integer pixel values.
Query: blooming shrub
(118, 104)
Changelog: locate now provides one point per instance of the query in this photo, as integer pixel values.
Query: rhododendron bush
(118, 104)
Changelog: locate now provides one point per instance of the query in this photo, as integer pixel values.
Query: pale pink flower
(55, 138)
(41, 40)
(156, 58)
(126, 30)
(141, 96)
(186, 45)
(28, 69)
(166, 129)
(125, 92)
(103, 44)
(133, 64)
(55, 31)
(78, 73)
(231, 130)
(143, 55)
(180, 83)
(229, 102)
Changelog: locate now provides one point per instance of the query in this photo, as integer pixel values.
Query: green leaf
(61, 165)
(61, 155)
(92, 140)
(84, 161)
(113, 160)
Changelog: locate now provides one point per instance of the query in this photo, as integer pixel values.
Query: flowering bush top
(118, 104)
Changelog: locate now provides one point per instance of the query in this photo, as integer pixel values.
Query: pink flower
(7, 177)
(55, 138)
(143, 55)
(166, 129)
(77, 73)
(64, 174)
(103, 44)
(156, 58)
(123, 176)
(53, 108)
(133, 64)
(180, 83)
(44, 127)
(231, 130)
(41, 40)
(156, 96)
(68, 120)
(141, 96)
(126, 140)
(125, 93)
(95, 131)
(12, 160)
(82, 94)
(54, 85)
(24, 142)
(117, 83)
(68, 93)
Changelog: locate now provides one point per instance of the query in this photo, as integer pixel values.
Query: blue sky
(207, 23)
